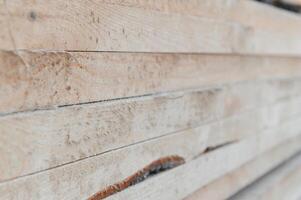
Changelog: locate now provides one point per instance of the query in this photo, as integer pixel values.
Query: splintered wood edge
(153, 168)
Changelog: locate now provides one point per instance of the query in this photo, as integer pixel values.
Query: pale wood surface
(213, 26)
(81, 179)
(282, 183)
(39, 80)
(93, 90)
(231, 183)
(185, 179)
(5, 36)
(43, 139)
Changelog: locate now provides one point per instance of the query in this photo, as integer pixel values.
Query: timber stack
(160, 99)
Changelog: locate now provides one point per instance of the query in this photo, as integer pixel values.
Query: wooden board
(41, 80)
(282, 183)
(158, 26)
(5, 36)
(226, 186)
(40, 140)
(92, 91)
(201, 171)
(81, 179)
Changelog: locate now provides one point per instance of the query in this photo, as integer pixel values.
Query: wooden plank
(264, 17)
(39, 80)
(289, 184)
(43, 139)
(158, 26)
(5, 36)
(282, 183)
(231, 183)
(78, 180)
(187, 178)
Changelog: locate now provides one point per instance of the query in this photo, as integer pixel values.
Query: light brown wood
(157, 26)
(199, 172)
(289, 184)
(81, 179)
(231, 183)
(39, 80)
(91, 91)
(43, 139)
(281, 183)
(5, 36)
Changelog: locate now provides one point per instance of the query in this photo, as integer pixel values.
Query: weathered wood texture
(282, 183)
(5, 36)
(210, 26)
(43, 139)
(81, 179)
(226, 186)
(39, 80)
(187, 178)
(92, 91)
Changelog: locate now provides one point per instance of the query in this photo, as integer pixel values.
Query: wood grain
(95, 94)
(6, 39)
(40, 140)
(84, 178)
(206, 168)
(157, 26)
(40, 80)
(281, 183)
(226, 186)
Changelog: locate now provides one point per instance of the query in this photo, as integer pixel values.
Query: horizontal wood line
(268, 55)
(68, 135)
(266, 186)
(137, 97)
(38, 140)
(43, 80)
(198, 53)
(79, 104)
(293, 157)
(215, 147)
(137, 27)
(288, 128)
(251, 171)
(195, 53)
(151, 192)
(133, 144)
(92, 156)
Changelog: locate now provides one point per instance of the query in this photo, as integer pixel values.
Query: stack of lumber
(137, 99)
(282, 183)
